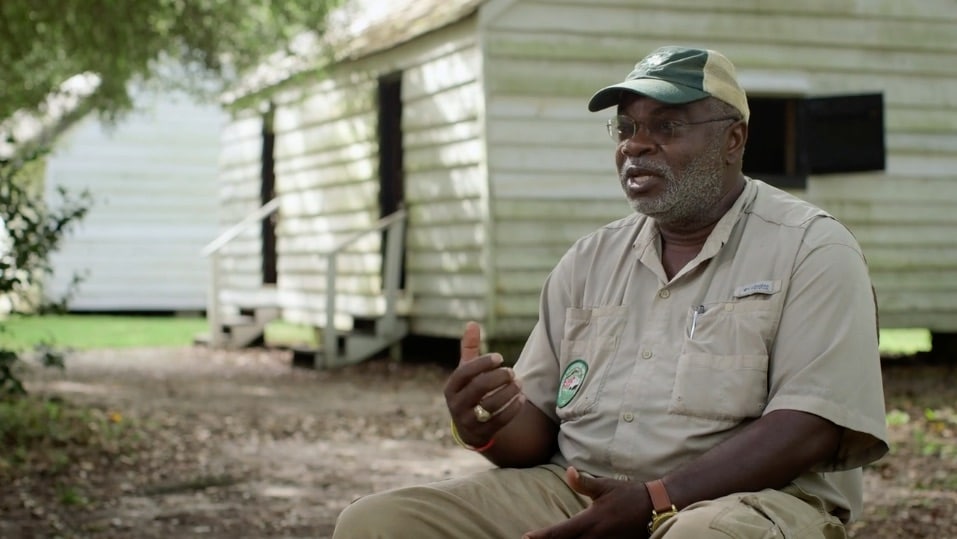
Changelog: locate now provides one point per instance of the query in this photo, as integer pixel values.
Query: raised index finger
(471, 339)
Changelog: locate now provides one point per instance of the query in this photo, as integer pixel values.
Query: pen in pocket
(695, 312)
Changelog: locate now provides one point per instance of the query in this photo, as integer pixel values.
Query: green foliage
(939, 437)
(30, 231)
(896, 418)
(71, 496)
(44, 436)
(45, 42)
(33, 230)
(10, 383)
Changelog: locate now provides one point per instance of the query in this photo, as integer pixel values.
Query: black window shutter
(841, 133)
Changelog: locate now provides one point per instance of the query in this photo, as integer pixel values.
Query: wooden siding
(548, 156)
(240, 177)
(327, 172)
(905, 224)
(153, 180)
(445, 191)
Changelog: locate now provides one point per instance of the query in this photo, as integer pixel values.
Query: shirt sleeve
(538, 364)
(825, 358)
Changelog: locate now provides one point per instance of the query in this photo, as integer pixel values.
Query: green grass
(82, 332)
(94, 331)
(281, 333)
(904, 341)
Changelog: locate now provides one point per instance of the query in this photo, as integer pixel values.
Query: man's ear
(737, 138)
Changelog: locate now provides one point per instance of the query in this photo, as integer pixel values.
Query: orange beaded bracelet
(458, 440)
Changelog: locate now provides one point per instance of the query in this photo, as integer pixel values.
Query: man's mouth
(640, 179)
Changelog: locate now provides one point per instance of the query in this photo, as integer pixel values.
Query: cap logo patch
(654, 60)
(572, 380)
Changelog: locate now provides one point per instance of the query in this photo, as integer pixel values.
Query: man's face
(678, 181)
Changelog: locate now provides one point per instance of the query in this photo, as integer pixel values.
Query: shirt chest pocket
(589, 344)
(722, 371)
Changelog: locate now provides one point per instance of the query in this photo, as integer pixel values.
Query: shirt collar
(648, 235)
(722, 230)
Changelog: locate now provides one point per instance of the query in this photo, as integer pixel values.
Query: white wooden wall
(153, 179)
(240, 173)
(551, 168)
(327, 171)
(327, 174)
(446, 187)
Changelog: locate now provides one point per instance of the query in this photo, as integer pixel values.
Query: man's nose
(639, 143)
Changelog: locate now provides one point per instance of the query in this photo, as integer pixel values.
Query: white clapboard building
(152, 176)
(471, 116)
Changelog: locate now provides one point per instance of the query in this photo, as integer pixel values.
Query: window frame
(814, 135)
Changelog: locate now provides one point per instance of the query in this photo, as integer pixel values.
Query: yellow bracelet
(458, 440)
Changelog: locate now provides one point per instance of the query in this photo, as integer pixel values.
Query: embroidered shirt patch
(572, 380)
(760, 287)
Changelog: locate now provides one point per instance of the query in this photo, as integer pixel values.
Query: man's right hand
(481, 381)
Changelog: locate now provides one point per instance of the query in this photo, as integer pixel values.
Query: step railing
(211, 251)
(394, 226)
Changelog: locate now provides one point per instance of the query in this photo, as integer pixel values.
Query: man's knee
(693, 523)
(375, 515)
(762, 515)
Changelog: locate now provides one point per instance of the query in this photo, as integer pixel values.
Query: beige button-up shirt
(644, 373)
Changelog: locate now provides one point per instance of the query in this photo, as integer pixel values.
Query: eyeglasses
(659, 130)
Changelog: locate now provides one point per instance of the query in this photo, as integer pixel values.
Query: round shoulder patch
(572, 380)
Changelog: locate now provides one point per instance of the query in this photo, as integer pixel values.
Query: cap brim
(656, 89)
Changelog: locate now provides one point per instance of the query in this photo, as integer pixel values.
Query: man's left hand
(619, 509)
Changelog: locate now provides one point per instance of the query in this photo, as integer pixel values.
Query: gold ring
(481, 414)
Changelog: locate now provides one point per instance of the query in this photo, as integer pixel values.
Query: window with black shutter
(790, 138)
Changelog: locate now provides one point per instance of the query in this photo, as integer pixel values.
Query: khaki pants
(505, 503)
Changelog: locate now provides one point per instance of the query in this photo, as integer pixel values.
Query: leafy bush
(48, 435)
(30, 231)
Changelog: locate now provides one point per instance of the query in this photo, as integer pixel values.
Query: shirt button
(646, 354)
(628, 416)
(729, 306)
(664, 294)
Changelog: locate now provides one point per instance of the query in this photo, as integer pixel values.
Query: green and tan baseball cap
(677, 75)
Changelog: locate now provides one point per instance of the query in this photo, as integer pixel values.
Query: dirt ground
(241, 444)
